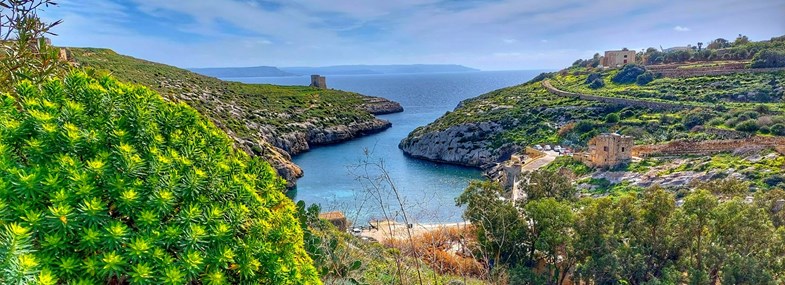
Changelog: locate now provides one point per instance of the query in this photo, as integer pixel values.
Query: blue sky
(485, 34)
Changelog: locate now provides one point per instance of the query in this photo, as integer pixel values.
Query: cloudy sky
(485, 34)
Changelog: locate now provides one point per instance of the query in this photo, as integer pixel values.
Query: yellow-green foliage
(105, 182)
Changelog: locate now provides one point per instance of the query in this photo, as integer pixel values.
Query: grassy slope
(531, 114)
(239, 107)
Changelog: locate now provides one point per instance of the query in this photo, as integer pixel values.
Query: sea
(370, 178)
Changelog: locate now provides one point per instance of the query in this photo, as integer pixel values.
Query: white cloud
(681, 29)
(509, 41)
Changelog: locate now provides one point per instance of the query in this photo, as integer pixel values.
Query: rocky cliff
(468, 144)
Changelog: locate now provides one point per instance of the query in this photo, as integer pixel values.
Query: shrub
(644, 78)
(777, 129)
(104, 182)
(628, 74)
(768, 58)
(597, 84)
(749, 126)
(612, 118)
(584, 126)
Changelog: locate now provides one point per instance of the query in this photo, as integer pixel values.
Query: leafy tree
(551, 223)
(718, 44)
(548, 184)
(500, 227)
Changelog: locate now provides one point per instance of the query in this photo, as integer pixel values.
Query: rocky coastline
(278, 147)
(467, 144)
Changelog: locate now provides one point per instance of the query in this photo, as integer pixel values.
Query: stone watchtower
(609, 150)
(318, 81)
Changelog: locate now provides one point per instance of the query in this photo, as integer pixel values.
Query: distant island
(271, 71)
(254, 71)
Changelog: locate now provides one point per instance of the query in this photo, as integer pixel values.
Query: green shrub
(597, 83)
(777, 129)
(628, 74)
(106, 183)
(768, 58)
(644, 78)
(612, 118)
(749, 126)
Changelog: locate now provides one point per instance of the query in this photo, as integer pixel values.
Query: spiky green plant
(105, 182)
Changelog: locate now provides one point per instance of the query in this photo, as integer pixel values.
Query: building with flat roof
(609, 150)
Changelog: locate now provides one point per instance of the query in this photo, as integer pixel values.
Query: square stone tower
(610, 150)
(318, 81)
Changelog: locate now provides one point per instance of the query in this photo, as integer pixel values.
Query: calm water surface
(429, 189)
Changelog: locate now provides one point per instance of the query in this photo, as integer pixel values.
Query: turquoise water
(428, 189)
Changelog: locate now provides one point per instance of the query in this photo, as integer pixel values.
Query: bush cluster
(628, 74)
(104, 182)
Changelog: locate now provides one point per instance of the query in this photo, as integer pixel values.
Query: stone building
(609, 150)
(318, 81)
(614, 58)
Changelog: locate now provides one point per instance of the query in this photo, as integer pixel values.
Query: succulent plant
(105, 182)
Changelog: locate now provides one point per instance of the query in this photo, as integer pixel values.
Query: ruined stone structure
(318, 81)
(608, 150)
(614, 58)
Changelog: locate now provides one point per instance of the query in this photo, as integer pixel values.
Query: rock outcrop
(297, 142)
(466, 144)
(380, 106)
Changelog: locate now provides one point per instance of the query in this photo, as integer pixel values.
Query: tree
(548, 184)
(550, 226)
(741, 40)
(26, 54)
(500, 228)
(700, 45)
(718, 44)
(695, 217)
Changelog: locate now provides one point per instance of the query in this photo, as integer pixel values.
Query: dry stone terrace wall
(674, 70)
(614, 100)
(709, 147)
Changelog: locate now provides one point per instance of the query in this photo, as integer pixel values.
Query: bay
(428, 189)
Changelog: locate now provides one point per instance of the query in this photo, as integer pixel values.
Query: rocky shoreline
(278, 148)
(465, 144)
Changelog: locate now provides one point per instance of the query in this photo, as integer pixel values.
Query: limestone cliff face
(467, 144)
(300, 141)
(380, 106)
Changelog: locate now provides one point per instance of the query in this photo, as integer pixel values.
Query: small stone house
(609, 150)
(614, 58)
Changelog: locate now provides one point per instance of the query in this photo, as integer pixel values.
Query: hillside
(702, 101)
(266, 120)
(255, 71)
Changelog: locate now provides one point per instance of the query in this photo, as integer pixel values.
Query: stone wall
(615, 101)
(673, 70)
(709, 147)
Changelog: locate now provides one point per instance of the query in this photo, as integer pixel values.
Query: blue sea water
(428, 189)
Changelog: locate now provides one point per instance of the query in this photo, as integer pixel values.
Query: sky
(484, 34)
